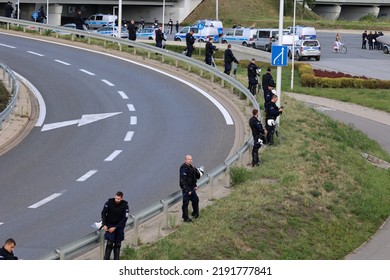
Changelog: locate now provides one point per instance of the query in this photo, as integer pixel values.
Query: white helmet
(258, 71)
(271, 122)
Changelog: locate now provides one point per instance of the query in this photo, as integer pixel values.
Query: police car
(242, 36)
(146, 33)
(112, 31)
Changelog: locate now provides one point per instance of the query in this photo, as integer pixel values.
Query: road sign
(279, 55)
(200, 25)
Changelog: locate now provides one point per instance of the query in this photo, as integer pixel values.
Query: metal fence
(12, 85)
(91, 240)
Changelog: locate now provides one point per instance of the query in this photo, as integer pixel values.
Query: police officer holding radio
(258, 134)
(272, 111)
(253, 72)
(189, 175)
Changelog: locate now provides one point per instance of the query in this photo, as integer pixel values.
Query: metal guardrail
(11, 82)
(161, 207)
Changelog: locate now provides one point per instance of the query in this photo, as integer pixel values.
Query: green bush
(4, 97)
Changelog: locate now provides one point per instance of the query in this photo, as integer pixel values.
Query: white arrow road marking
(45, 200)
(86, 176)
(113, 155)
(85, 119)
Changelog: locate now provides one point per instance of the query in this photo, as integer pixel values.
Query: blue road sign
(279, 55)
(200, 25)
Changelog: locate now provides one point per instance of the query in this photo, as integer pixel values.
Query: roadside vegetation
(4, 97)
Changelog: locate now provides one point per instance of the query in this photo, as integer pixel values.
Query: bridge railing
(161, 207)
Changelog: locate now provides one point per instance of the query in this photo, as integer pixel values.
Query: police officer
(188, 178)
(364, 40)
(190, 41)
(267, 79)
(6, 252)
(159, 37)
(114, 216)
(228, 59)
(209, 50)
(268, 92)
(253, 71)
(258, 134)
(272, 111)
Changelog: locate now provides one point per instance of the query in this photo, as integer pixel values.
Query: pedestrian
(267, 79)
(228, 59)
(132, 29)
(142, 23)
(272, 111)
(170, 26)
(177, 26)
(79, 21)
(41, 15)
(159, 37)
(190, 41)
(6, 252)
(258, 134)
(8, 9)
(188, 178)
(364, 40)
(253, 72)
(209, 51)
(114, 216)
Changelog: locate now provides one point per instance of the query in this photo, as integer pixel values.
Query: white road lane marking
(35, 53)
(113, 155)
(107, 82)
(123, 95)
(131, 107)
(45, 200)
(1, 224)
(8, 46)
(87, 72)
(86, 176)
(62, 62)
(133, 120)
(129, 136)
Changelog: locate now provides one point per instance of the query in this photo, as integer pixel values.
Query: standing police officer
(272, 111)
(188, 178)
(190, 41)
(258, 134)
(228, 58)
(267, 79)
(253, 71)
(209, 51)
(114, 216)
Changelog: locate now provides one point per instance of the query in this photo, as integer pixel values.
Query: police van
(201, 35)
(265, 37)
(304, 32)
(212, 23)
(100, 20)
(242, 36)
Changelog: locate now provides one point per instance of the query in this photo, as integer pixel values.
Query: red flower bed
(333, 74)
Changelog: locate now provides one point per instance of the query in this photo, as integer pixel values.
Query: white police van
(242, 36)
(211, 23)
(201, 35)
(100, 20)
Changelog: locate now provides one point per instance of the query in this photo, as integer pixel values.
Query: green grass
(4, 97)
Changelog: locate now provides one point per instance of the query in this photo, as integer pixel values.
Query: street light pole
(119, 19)
(279, 68)
(47, 12)
(216, 9)
(163, 17)
(293, 47)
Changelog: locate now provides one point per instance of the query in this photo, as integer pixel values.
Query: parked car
(200, 35)
(306, 49)
(211, 23)
(100, 20)
(112, 31)
(242, 36)
(265, 37)
(68, 25)
(147, 33)
(385, 41)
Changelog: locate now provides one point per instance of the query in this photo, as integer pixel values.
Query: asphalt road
(54, 184)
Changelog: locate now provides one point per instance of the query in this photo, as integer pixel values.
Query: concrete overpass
(352, 9)
(62, 11)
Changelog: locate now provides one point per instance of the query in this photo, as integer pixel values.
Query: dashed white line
(87, 72)
(45, 200)
(131, 107)
(8, 46)
(107, 83)
(123, 95)
(1, 224)
(113, 155)
(133, 120)
(35, 53)
(62, 62)
(86, 176)
(129, 136)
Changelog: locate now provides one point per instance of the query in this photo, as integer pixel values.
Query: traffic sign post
(200, 27)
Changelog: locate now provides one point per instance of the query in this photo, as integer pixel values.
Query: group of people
(371, 40)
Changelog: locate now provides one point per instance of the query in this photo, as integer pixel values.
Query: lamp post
(293, 47)
(119, 19)
(216, 9)
(163, 17)
(279, 68)
(47, 12)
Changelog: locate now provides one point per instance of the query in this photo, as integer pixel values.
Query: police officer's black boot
(117, 250)
(109, 247)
